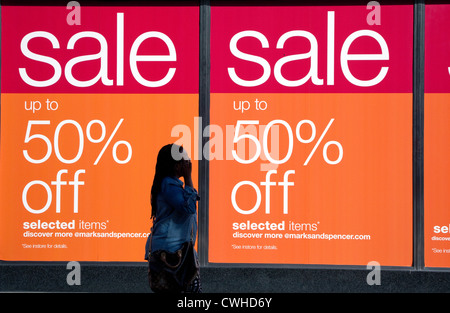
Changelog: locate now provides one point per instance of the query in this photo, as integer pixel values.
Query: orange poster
(84, 111)
(314, 108)
(76, 181)
(436, 137)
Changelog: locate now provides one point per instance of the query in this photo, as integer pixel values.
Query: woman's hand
(187, 172)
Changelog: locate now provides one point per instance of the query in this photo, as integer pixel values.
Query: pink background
(180, 23)
(273, 21)
(437, 48)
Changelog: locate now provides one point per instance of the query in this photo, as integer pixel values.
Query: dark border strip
(418, 134)
(204, 109)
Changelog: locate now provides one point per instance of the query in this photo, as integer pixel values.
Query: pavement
(132, 278)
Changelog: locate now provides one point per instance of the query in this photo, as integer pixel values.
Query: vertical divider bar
(203, 138)
(418, 134)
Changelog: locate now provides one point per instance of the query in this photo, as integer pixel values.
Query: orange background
(113, 193)
(368, 192)
(436, 177)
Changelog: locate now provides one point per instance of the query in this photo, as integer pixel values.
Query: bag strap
(149, 252)
(164, 259)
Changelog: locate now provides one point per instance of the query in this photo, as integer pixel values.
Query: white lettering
(134, 58)
(312, 54)
(40, 58)
(102, 56)
(345, 57)
(248, 57)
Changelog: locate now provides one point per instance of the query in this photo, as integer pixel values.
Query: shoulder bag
(173, 272)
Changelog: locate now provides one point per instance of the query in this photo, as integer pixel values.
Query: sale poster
(311, 142)
(436, 137)
(88, 97)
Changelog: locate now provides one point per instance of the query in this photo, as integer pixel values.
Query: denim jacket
(176, 217)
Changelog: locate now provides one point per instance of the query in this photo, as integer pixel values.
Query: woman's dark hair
(168, 156)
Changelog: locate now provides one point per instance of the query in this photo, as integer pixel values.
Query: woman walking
(174, 213)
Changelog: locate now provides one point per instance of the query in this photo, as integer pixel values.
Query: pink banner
(113, 50)
(437, 49)
(313, 49)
